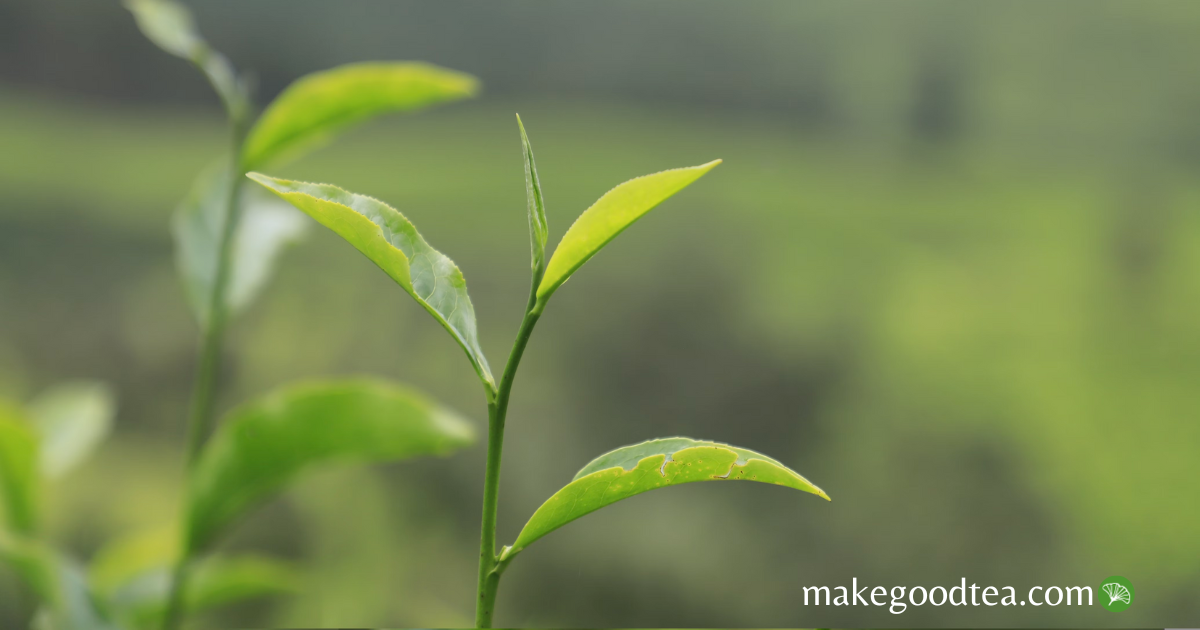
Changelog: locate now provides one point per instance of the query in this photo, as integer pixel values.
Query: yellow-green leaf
(639, 468)
(608, 217)
(19, 474)
(262, 446)
(319, 105)
(392, 242)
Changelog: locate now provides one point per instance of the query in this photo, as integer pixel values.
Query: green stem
(490, 567)
(204, 387)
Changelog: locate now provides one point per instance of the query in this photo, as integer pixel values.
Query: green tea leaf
(267, 227)
(317, 106)
(141, 601)
(123, 559)
(76, 608)
(608, 217)
(60, 586)
(33, 562)
(262, 446)
(170, 26)
(639, 468)
(72, 419)
(392, 242)
(19, 478)
(538, 228)
(133, 574)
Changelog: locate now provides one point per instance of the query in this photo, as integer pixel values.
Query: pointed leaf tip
(609, 216)
(539, 229)
(392, 242)
(639, 468)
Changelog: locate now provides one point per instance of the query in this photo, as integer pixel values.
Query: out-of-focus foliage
(71, 420)
(171, 27)
(322, 104)
(132, 574)
(19, 470)
(267, 226)
(953, 247)
(266, 443)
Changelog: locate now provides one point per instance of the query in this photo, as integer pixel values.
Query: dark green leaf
(538, 228)
(267, 226)
(392, 242)
(639, 468)
(317, 106)
(170, 26)
(72, 419)
(261, 446)
(608, 217)
(19, 478)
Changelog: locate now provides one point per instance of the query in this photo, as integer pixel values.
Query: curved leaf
(392, 242)
(316, 106)
(72, 419)
(609, 216)
(639, 468)
(263, 445)
(170, 26)
(267, 226)
(19, 477)
(539, 229)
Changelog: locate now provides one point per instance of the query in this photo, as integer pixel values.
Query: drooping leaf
(170, 26)
(266, 228)
(317, 106)
(19, 475)
(538, 227)
(639, 468)
(71, 419)
(392, 242)
(263, 445)
(609, 216)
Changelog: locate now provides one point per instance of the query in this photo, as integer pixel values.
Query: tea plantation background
(950, 271)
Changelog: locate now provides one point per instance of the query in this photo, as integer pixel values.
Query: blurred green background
(950, 271)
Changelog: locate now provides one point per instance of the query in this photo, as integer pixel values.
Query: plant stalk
(490, 568)
(208, 368)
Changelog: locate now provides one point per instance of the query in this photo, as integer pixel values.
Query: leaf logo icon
(1117, 593)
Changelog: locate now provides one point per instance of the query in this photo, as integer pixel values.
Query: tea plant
(227, 239)
(40, 442)
(391, 241)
